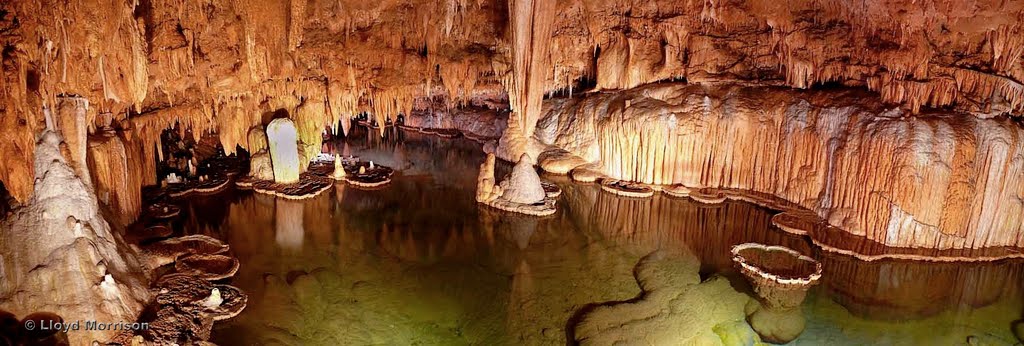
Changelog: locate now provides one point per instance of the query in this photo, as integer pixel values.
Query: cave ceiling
(216, 65)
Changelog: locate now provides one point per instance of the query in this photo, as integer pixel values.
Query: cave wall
(932, 180)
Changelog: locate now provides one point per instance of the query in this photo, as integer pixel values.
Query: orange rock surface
(949, 179)
(932, 180)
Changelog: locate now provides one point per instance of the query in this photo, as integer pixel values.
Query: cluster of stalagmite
(931, 181)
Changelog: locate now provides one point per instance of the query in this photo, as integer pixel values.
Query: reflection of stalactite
(289, 231)
(663, 222)
(416, 246)
(898, 290)
(521, 298)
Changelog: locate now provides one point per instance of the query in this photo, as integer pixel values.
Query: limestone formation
(111, 164)
(523, 185)
(919, 55)
(261, 167)
(284, 152)
(162, 211)
(373, 178)
(879, 129)
(170, 250)
(207, 266)
(486, 189)
(339, 169)
(59, 254)
(927, 181)
(625, 188)
(529, 195)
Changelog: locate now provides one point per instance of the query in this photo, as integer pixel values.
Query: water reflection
(421, 262)
(288, 229)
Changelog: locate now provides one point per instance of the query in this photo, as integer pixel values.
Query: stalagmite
(284, 151)
(522, 191)
(339, 169)
(523, 184)
(54, 244)
(486, 189)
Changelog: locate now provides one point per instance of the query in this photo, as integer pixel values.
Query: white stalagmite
(284, 151)
(523, 185)
(61, 255)
(339, 169)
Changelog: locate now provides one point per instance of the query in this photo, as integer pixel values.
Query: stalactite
(115, 178)
(1007, 47)
(310, 123)
(530, 22)
(459, 80)
(234, 117)
(389, 103)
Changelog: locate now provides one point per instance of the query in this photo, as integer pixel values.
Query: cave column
(282, 138)
(530, 23)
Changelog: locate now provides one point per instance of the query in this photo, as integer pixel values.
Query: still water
(420, 263)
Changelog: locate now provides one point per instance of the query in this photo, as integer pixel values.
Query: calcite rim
(208, 266)
(551, 190)
(757, 271)
(162, 211)
(796, 222)
(443, 133)
(216, 184)
(635, 190)
(545, 208)
(149, 233)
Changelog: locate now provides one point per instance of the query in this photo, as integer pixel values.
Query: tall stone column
(284, 151)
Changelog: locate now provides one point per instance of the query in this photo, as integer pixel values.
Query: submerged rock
(676, 307)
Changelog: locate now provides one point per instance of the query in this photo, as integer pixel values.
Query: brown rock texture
(932, 180)
(219, 66)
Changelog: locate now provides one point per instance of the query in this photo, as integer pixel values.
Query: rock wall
(934, 180)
